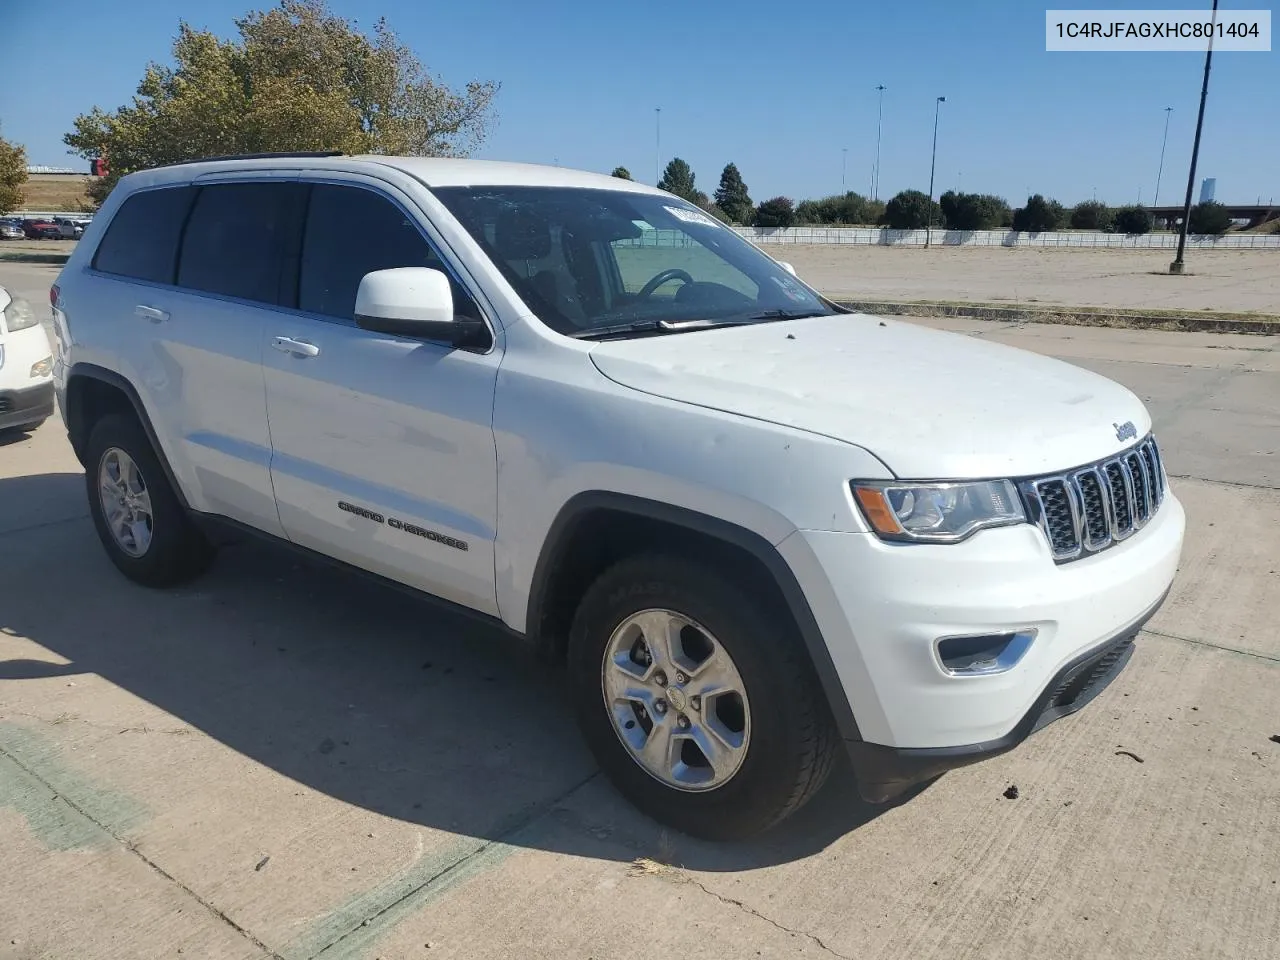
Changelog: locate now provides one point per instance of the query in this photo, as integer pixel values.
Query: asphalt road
(281, 761)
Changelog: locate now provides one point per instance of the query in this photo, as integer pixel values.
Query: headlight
(18, 315)
(42, 368)
(937, 512)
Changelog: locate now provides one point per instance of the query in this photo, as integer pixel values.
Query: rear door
(384, 454)
(202, 366)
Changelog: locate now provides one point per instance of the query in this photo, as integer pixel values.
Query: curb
(24, 257)
(1258, 325)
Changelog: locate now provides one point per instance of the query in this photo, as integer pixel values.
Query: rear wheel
(146, 532)
(696, 699)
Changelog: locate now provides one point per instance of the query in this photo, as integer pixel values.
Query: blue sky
(779, 88)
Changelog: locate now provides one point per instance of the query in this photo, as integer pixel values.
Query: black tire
(793, 739)
(178, 550)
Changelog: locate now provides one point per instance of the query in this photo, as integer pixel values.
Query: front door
(382, 446)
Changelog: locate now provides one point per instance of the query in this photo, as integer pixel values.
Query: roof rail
(261, 156)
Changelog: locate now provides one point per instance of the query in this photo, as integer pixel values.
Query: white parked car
(26, 366)
(760, 529)
(72, 228)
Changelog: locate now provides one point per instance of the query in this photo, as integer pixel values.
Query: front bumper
(885, 772)
(881, 609)
(23, 408)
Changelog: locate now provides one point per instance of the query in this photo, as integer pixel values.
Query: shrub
(1038, 215)
(1132, 220)
(910, 210)
(777, 212)
(972, 211)
(846, 208)
(1091, 215)
(622, 173)
(1209, 217)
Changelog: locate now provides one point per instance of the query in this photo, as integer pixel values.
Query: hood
(930, 404)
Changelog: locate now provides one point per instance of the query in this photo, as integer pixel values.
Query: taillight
(53, 296)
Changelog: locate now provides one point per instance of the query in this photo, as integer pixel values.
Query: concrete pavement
(280, 760)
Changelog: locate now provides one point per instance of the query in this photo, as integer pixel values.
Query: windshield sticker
(792, 290)
(692, 216)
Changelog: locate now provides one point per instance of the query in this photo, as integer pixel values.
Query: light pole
(875, 170)
(1177, 265)
(657, 145)
(933, 163)
(844, 166)
(1163, 143)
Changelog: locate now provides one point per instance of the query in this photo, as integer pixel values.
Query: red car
(41, 230)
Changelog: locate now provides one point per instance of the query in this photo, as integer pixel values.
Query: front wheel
(696, 698)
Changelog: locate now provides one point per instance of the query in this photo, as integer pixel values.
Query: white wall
(1002, 238)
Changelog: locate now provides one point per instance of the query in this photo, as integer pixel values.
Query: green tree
(622, 173)
(732, 196)
(296, 77)
(1039, 215)
(1132, 220)
(677, 178)
(13, 174)
(715, 211)
(972, 211)
(1209, 217)
(1091, 215)
(777, 212)
(910, 210)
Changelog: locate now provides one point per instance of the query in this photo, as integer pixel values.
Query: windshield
(599, 262)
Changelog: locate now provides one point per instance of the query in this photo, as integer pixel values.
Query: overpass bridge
(1255, 213)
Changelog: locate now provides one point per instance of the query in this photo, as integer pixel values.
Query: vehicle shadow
(356, 690)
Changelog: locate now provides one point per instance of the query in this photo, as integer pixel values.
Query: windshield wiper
(784, 315)
(652, 326)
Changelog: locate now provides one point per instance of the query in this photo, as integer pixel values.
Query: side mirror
(787, 267)
(415, 302)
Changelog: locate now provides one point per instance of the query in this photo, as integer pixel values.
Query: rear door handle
(295, 348)
(150, 313)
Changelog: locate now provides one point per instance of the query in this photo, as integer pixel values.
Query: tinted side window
(350, 232)
(237, 236)
(142, 239)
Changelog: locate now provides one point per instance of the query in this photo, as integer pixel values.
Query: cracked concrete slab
(70, 888)
(1228, 586)
(1101, 855)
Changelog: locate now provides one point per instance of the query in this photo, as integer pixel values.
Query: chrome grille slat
(1096, 527)
(1084, 511)
(1141, 488)
(1150, 459)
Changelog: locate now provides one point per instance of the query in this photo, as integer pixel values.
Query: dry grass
(57, 192)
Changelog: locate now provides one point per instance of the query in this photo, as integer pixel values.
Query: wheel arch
(93, 392)
(584, 538)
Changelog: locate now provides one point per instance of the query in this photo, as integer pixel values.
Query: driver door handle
(295, 348)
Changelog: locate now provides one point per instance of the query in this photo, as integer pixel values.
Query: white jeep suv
(760, 528)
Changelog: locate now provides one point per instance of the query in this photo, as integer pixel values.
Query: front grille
(6, 404)
(1093, 507)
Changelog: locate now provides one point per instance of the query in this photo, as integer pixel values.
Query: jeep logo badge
(1126, 431)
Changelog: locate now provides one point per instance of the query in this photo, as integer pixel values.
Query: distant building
(1207, 188)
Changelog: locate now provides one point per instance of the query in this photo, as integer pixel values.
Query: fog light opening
(984, 654)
